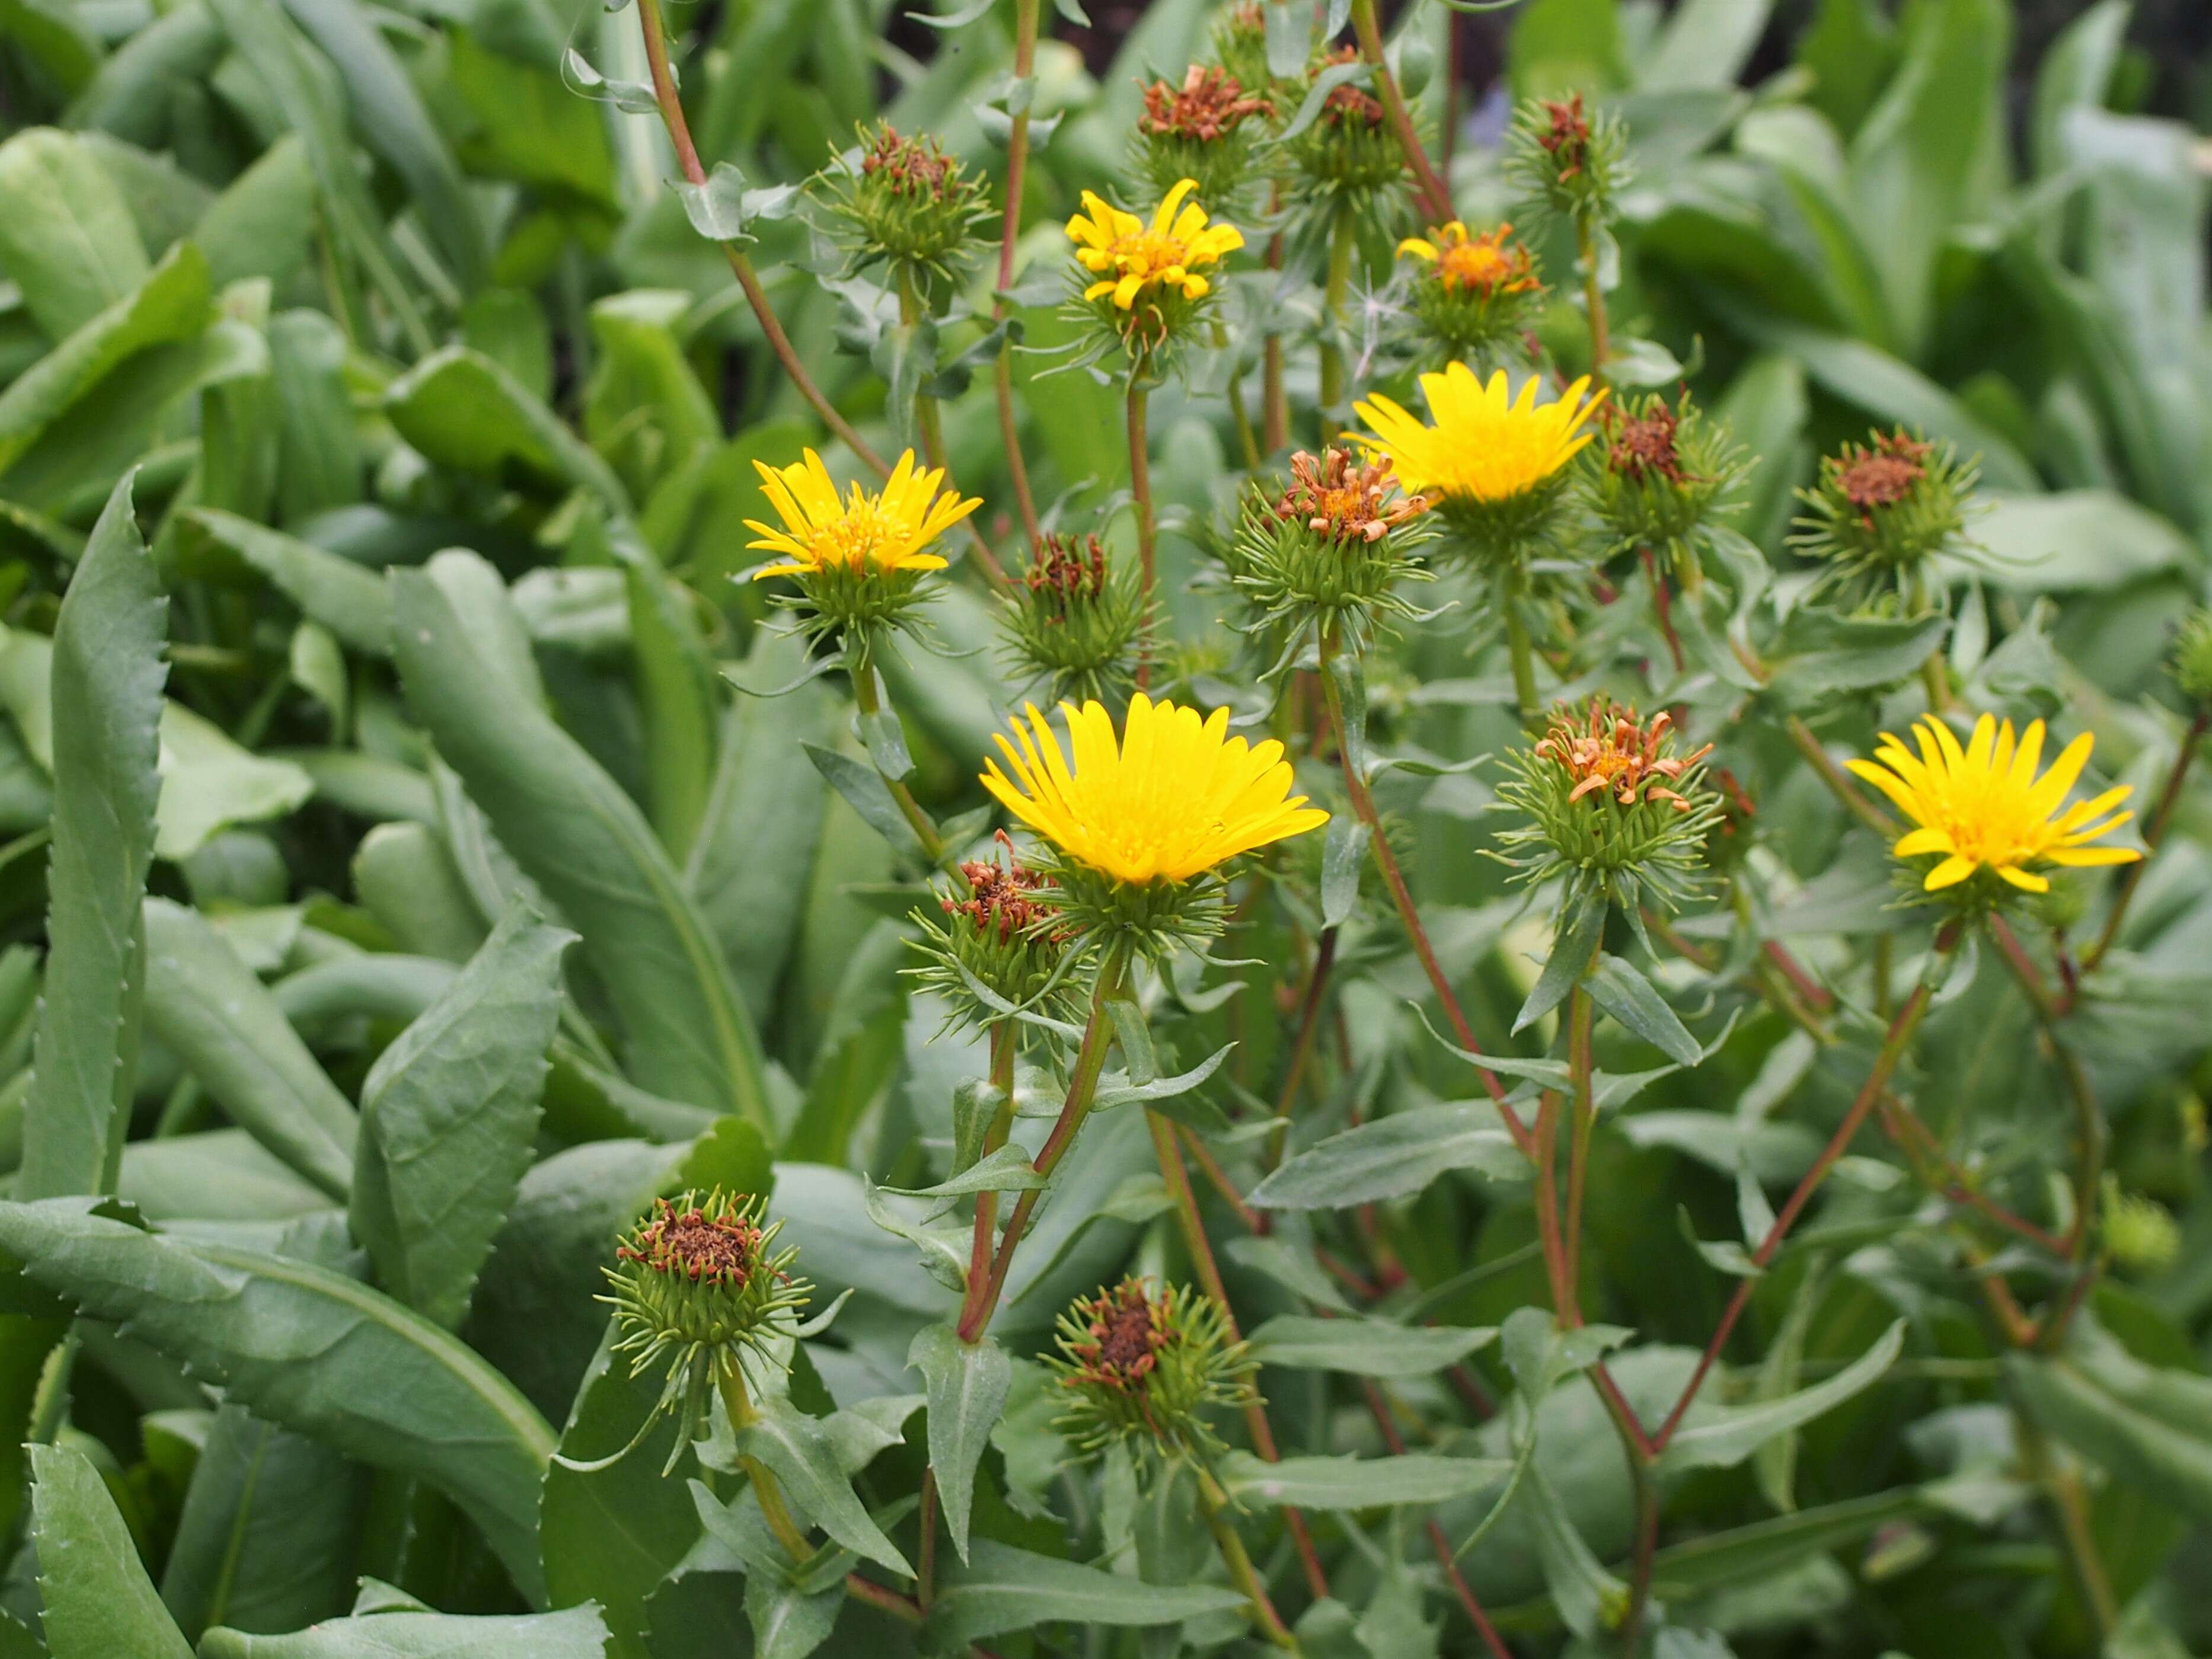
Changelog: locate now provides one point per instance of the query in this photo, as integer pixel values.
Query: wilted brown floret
(1064, 568)
(1615, 752)
(1643, 446)
(1348, 106)
(1001, 896)
(1882, 476)
(1125, 1338)
(1344, 501)
(911, 166)
(692, 1244)
(1210, 105)
(1568, 137)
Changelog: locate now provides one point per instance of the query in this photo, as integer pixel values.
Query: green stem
(982, 1297)
(1520, 647)
(1332, 320)
(2070, 1509)
(687, 155)
(1594, 299)
(1214, 1503)
(1018, 156)
(1580, 1017)
(2154, 833)
(1893, 1048)
(1645, 1488)
(863, 695)
(1140, 490)
(930, 424)
(1248, 441)
(1436, 195)
(731, 1382)
(1838, 780)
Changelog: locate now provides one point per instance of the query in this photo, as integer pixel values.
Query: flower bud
(1147, 1365)
(2140, 1233)
(1349, 153)
(1881, 511)
(1075, 621)
(1568, 162)
(1329, 548)
(2192, 658)
(1607, 804)
(1000, 931)
(1663, 473)
(907, 204)
(1204, 129)
(1472, 294)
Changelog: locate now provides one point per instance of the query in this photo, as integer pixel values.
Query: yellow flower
(1128, 256)
(865, 532)
(1175, 797)
(1485, 264)
(1984, 804)
(1482, 448)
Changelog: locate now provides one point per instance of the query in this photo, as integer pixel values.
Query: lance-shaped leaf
(313, 1350)
(801, 1452)
(1393, 1156)
(1364, 1347)
(2150, 1425)
(107, 676)
(97, 1597)
(1623, 992)
(1351, 1483)
(1724, 1437)
(449, 1120)
(1003, 1588)
(968, 1386)
(400, 1633)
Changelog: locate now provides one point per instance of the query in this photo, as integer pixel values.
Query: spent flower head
(997, 928)
(1140, 826)
(1980, 811)
(1493, 465)
(2191, 661)
(1329, 547)
(1147, 1365)
(908, 204)
(1148, 280)
(1076, 620)
(1607, 801)
(1471, 293)
(1664, 474)
(1203, 130)
(699, 1289)
(1881, 511)
(860, 560)
(1348, 156)
(1568, 161)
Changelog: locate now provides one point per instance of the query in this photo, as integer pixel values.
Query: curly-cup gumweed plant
(837, 832)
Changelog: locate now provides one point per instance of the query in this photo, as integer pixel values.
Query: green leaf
(1588, 1598)
(97, 1597)
(1390, 1157)
(313, 1350)
(1342, 855)
(1580, 931)
(2149, 1426)
(268, 1532)
(1705, 44)
(207, 1007)
(1364, 1347)
(578, 1633)
(801, 1453)
(1006, 1169)
(864, 790)
(66, 235)
(968, 1384)
(170, 305)
(464, 411)
(678, 689)
(106, 677)
(583, 841)
(1618, 987)
(449, 1120)
(1351, 1483)
(2076, 541)
(208, 783)
(609, 1536)
(1820, 653)
(1004, 1589)
(352, 603)
(1721, 1437)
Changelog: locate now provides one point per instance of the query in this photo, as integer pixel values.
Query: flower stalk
(1140, 492)
(1367, 29)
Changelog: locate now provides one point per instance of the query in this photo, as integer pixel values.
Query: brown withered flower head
(1641, 446)
(1001, 942)
(1075, 621)
(1665, 478)
(1005, 896)
(1349, 154)
(1605, 802)
(1569, 161)
(1204, 129)
(1145, 1364)
(1329, 549)
(1879, 511)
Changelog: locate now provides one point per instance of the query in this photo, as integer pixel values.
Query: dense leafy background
(363, 370)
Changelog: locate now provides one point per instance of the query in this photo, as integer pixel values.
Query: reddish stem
(1469, 1602)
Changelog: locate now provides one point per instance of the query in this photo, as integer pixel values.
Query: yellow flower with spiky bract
(886, 532)
(1128, 256)
(1175, 797)
(1486, 446)
(1983, 806)
(1491, 263)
